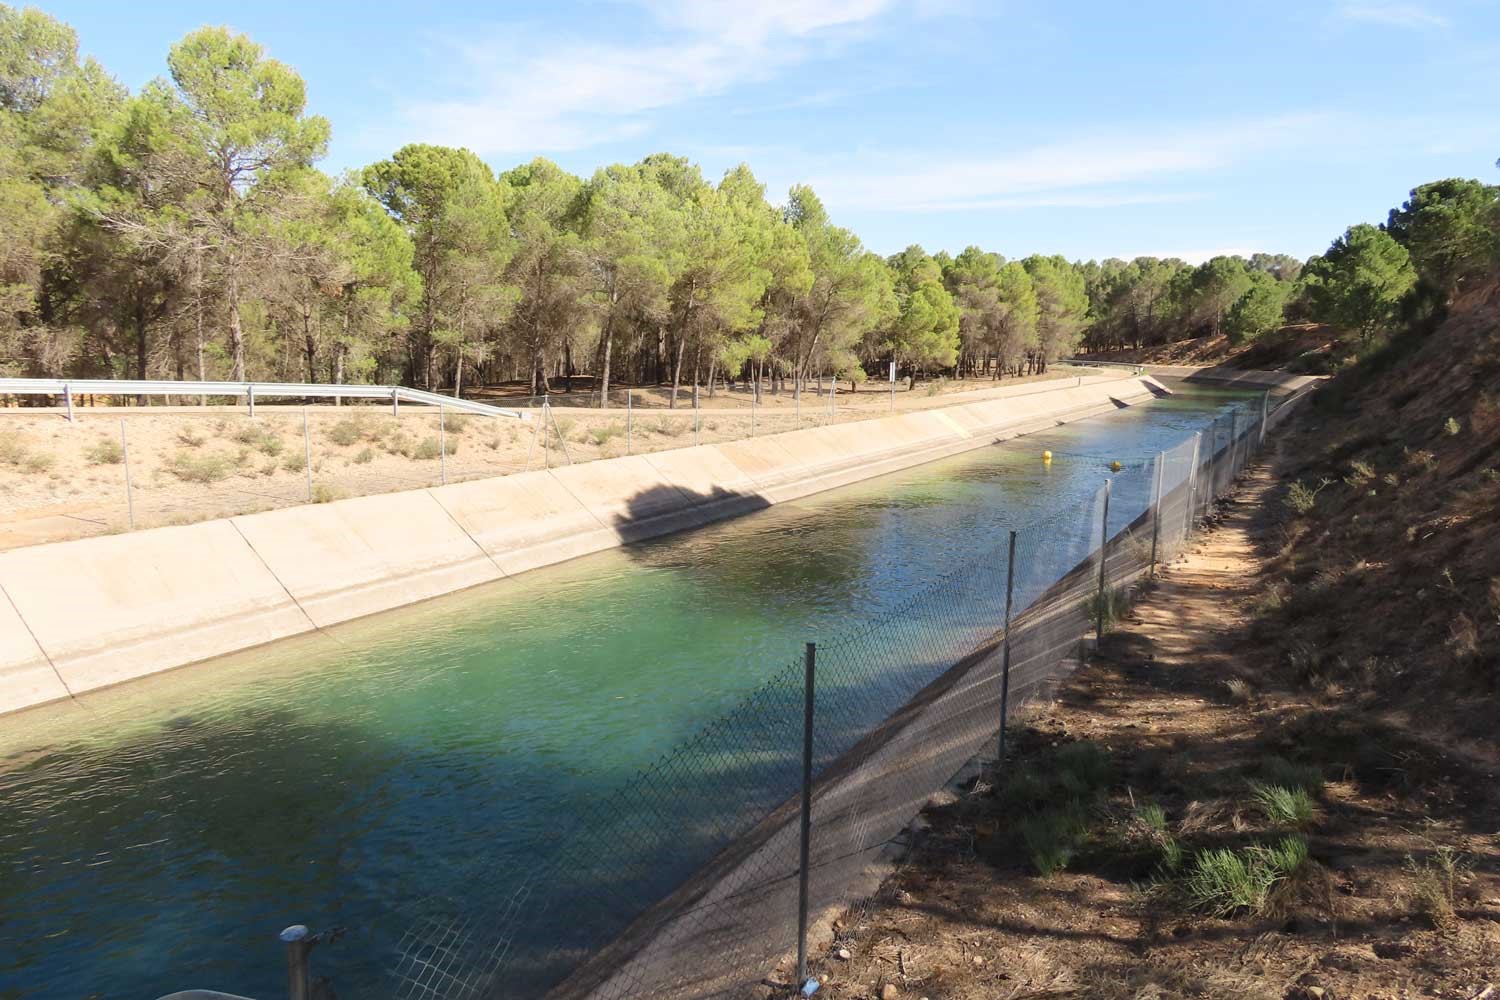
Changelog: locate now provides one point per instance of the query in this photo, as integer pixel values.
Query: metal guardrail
(1135, 369)
(250, 391)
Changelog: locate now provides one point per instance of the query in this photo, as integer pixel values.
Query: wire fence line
(688, 882)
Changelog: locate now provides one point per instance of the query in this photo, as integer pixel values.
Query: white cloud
(1395, 15)
(1105, 169)
(541, 94)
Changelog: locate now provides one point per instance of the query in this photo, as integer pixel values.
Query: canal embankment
(85, 614)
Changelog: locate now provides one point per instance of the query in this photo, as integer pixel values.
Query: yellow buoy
(1115, 466)
(1046, 456)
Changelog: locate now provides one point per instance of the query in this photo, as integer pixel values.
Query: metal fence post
(697, 419)
(1192, 497)
(1010, 590)
(250, 395)
(68, 393)
(443, 445)
(1234, 443)
(1161, 460)
(1103, 560)
(299, 944)
(810, 667)
(1265, 413)
(546, 432)
(629, 418)
(125, 458)
(395, 403)
(752, 415)
(307, 454)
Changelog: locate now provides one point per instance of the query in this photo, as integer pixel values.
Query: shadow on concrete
(661, 510)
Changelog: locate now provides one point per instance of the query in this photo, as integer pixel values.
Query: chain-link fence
(703, 872)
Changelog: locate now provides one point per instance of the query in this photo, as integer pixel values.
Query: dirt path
(967, 915)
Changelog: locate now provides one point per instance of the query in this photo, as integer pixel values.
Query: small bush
(192, 468)
(1238, 689)
(263, 439)
(1225, 882)
(1451, 427)
(188, 438)
(327, 493)
(105, 451)
(1360, 473)
(366, 456)
(12, 451)
(1435, 883)
(604, 435)
(1053, 838)
(38, 462)
(295, 461)
(1302, 498)
(1283, 806)
(456, 424)
(1111, 604)
(1280, 771)
(348, 431)
(426, 450)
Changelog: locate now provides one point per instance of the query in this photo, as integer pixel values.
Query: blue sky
(1090, 129)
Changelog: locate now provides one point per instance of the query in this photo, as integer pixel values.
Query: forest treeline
(184, 232)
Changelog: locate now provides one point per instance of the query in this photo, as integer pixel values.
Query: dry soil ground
(60, 480)
(1400, 898)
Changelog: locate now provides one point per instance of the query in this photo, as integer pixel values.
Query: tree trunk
(677, 371)
(609, 343)
(236, 334)
(310, 346)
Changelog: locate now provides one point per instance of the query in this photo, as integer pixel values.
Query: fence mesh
(685, 882)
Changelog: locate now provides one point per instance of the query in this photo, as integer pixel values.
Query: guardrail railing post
(809, 674)
(1234, 444)
(1010, 590)
(395, 402)
(1161, 460)
(68, 394)
(250, 395)
(629, 417)
(443, 445)
(1103, 560)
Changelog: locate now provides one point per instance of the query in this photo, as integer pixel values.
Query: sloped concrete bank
(80, 615)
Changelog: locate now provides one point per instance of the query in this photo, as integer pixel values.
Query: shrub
(456, 424)
(188, 438)
(1283, 806)
(263, 439)
(603, 435)
(426, 450)
(1238, 689)
(1302, 498)
(1360, 473)
(191, 468)
(365, 456)
(347, 431)
(327, 493)
(38, 462)
(295, 461)
(1053, 838)
(105, 451)
(1451, 427)
(1435, 883)
(12, 451)
(1223, 882)
(1110, 604)
(1280, 771)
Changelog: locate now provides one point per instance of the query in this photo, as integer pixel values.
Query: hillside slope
(1387, 576)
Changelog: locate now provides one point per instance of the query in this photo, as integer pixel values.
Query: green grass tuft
(1224, 883)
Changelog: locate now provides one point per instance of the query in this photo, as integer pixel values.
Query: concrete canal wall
(80, 615)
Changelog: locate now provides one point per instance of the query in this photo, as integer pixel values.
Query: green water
(157, 836)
